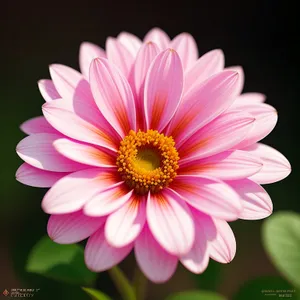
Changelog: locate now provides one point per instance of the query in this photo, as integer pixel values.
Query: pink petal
(275, 166)
(86, 124)
(208, 195)
(159, 37)
(228, 165)
(256, 202)
(223, 247)
(72, 228)
(241, 80)
(38, 151)
(87, 53)
(197, 259)
(124, 225)
(107, 201)
(250, 98)
(68, 81)
(155, 262)
(32, 176)
(186, 47)
(130, 41)
(170, 222)
(100, 256)
(48, 90)
(37, 125)
(85, 154)
(163, 88)
(207, 65)
(144, 58)
(202, 104)
(71, 192)
(113, 96)
(119, 55)
(221, 134)
(265, 120)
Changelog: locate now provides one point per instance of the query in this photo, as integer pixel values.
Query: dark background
(262, 36)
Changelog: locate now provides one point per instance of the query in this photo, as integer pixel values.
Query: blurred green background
(259, 35)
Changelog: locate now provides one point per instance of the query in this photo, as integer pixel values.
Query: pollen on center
(147, 161)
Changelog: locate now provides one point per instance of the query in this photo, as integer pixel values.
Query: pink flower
(153, 149)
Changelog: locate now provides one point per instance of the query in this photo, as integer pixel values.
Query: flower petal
(170, 222)
(208, 195)
(37, 125)
(125, 224)
(32, 176)
(38, 151)
(87, 53)
(228, 165)
(202, 104)
(223, 247)
(163, 88)
(221, 134)
(207, 65)
(256, 202)
(85, 154)
(107, 201)
(144, 58)
(71, 192)
(265, 120)
(155, 262)
(113, 96)
(72, 228)
(196, 260)
(48, 90)
(119, 55)
(100, 256)
(67, 81)
(130, 41)
(241, 80)
(250, 98)
(275, 166)
(186, 46)
(85, 124)
(159, 37)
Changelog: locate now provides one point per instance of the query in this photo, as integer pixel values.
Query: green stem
(139, 284)
(122, 284)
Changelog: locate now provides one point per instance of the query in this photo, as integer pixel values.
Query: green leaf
(281, 239)
(264, 287)
(196, 295)
(60, 262)
(95, 294)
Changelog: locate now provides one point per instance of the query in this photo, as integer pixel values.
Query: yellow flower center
(147, 161)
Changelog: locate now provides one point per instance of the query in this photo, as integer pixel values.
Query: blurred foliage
(262, 287)
(281, 239)
(61, 262)
(95, 294)
(196, 295)
(210, 279)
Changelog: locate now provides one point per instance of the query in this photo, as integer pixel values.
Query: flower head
(153, 149)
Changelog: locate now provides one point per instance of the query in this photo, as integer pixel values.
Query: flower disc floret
(147, 161)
